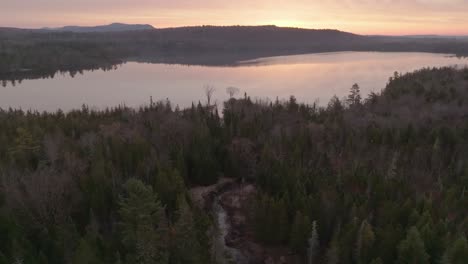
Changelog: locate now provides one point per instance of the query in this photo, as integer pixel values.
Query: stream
(224, 253)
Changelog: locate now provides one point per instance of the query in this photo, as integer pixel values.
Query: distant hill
(435, 36)
(421, 37)
(76, 48)
(115, 27)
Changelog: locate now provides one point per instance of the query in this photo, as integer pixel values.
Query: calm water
(308, 77)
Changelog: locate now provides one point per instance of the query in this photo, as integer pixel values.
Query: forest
(368, 179)
(31, 54)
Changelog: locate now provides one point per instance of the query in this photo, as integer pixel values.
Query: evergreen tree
(314, 244)
(354, 97)
(299, 233)
(333, 252)
(86, 253)
(185, 245)
(262, 231)
(457, 253)
(26, 148)
(364, 243)
(412, 249)
(143, 224)
(377, 261)
(432, 235)
(280, 227)
(169, 185)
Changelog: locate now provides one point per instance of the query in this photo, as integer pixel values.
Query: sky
(368, 17)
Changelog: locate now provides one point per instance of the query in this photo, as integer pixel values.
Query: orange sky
(395, 17)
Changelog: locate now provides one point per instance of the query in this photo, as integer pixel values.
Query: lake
(310, 78)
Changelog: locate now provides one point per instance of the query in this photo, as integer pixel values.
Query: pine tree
(280, 227)
(185, 246)
(333, 252)
(85, 253)
(314, 244)
(299, 233)
(262, 219)
(377, 261)
(392, 170)
(457, 253)
(432, 235)
(354, 97)
(412, 249)
(364, 243)
(169, 184)
(25, 149)
(143, 224)
(335, 106)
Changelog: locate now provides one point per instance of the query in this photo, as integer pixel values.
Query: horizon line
(239, 25)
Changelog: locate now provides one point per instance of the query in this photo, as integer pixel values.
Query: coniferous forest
(368, 179)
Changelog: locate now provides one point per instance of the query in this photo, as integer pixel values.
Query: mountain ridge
(113, 27)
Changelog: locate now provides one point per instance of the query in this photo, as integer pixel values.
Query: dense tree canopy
(379, 180)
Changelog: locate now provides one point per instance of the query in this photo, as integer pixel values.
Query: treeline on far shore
(39, 54)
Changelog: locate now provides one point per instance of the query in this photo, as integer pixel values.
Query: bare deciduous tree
(52, 145)
(232, 91)
(209, 90)
(46, 196)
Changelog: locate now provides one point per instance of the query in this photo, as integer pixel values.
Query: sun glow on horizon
(446, 17)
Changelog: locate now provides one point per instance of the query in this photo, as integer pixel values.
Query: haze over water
(308, 77)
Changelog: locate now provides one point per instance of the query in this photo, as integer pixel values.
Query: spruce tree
(185, 246)
(364, 243)
(299, 233)
(412, 250)
(314, 244)
(354, 97)
(143, 224)
(457, 253)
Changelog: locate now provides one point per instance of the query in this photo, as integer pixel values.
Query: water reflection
(307, 77)
(17, 77)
